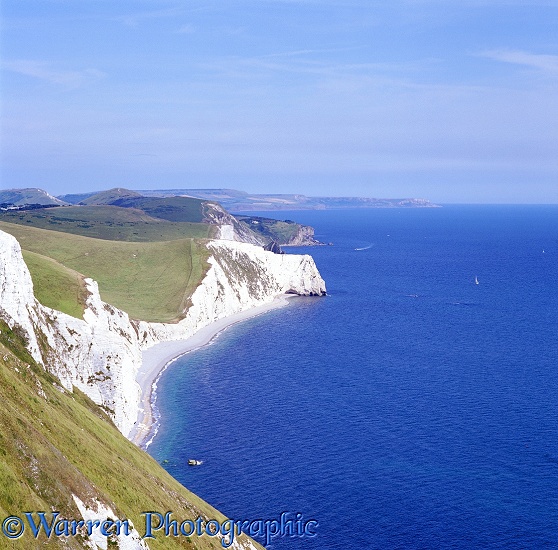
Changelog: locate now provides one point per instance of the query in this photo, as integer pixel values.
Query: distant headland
(240, 201)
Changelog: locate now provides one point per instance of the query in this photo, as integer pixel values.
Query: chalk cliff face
(241, 276)
(228, 226)
(102, 353)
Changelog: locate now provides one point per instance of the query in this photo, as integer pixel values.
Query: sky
(452, 101)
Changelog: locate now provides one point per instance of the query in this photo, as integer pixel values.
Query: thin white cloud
(186, 29)
(321, 72)
(295, 53)
(134, 19)
(543, 62)
(42, 71)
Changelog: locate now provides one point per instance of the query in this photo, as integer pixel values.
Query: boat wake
(365, 247)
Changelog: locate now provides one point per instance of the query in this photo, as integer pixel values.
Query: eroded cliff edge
(101, 354)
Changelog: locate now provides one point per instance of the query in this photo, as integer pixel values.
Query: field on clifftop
(109, 222)
(151, 281)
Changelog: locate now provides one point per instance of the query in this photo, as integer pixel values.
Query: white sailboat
(476, 280)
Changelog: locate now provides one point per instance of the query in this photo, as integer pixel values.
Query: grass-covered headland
(55, 444)
(151, 281)
(146, 253)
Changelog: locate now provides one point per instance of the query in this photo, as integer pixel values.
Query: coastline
(156, 359)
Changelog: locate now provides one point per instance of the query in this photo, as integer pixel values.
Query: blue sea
(410, 408)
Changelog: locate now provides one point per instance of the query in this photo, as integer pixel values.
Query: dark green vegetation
(121, 215)
(282, 232)
(55, 444)
(151, 281)
(174, 209)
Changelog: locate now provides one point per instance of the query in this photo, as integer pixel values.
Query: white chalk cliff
(101, 354)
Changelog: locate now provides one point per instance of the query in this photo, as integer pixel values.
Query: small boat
(193, 462)
(476, 280)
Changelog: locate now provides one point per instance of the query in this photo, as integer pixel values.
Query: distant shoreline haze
(231, 199)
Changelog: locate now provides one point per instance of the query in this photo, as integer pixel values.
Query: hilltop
(31, 195)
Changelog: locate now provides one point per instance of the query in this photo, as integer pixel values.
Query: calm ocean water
(411, 408)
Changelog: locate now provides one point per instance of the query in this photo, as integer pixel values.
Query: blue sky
(450, 101)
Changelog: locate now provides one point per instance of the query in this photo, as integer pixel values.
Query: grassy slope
(175, 209)
(56, 286)
(54, 444)
(150, 281)
(108, 222)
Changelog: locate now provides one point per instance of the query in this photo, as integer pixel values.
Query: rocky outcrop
(283, 232)
(304, 236)
(101, 353)
(127, 541)
(272, 246)
(257, 230)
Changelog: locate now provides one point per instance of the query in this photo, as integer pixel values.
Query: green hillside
(55, 444)
(174, 209)
(148, 255)
(108, 222)
(109, 196)
(273, 230)
(123, 215)
(151, 281)
(56, 286)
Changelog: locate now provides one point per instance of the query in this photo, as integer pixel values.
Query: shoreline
(157, 358)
